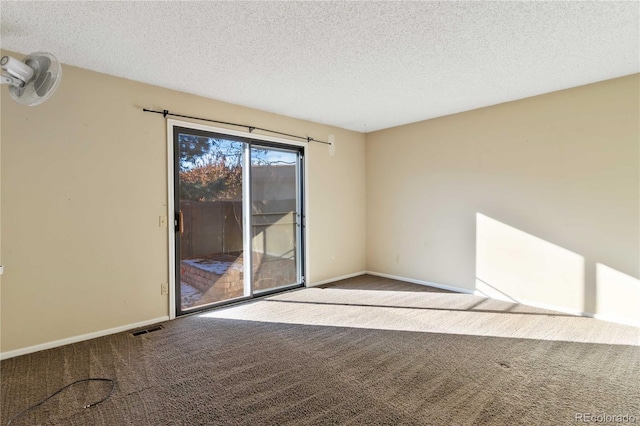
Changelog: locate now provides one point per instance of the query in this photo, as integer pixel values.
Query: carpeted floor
(363, 351)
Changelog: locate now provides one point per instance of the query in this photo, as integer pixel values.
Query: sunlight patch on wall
(618, 295)
(516, 266)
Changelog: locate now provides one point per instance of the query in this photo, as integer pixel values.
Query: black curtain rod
(250, 128)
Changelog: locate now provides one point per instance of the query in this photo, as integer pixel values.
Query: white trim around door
(171, 221)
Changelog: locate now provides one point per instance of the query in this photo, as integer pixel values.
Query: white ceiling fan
(33, 80)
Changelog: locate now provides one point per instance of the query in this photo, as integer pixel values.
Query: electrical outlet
(163, 222)
(164, 288)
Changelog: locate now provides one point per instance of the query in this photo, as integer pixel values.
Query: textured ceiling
(357, 65)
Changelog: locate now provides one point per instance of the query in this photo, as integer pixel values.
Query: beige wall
(534, 200)
(84, 183)
(538, 199)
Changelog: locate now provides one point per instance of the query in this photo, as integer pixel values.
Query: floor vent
(147, 330)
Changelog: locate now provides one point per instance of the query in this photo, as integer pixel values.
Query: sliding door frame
(259, 140)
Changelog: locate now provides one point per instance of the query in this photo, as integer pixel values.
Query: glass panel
(209, 186)
(274, 209)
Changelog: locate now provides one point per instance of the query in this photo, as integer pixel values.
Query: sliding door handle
(180, 222)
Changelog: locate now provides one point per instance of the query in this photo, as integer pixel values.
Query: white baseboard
(578, 313)
(531, 303)
(609, 318)
(331, 280)
(575, 312)
(427, 283)
(80, 338)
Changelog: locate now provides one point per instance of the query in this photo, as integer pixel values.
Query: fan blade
(43, 83)
(39, 63)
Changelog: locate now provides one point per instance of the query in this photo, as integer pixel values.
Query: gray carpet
(379, 360)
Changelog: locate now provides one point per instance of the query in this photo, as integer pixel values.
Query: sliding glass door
(238, 205)
(276, 218)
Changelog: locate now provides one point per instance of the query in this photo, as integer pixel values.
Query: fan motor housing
(17, 69)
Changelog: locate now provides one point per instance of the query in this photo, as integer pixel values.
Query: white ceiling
(358, 65)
